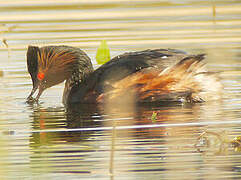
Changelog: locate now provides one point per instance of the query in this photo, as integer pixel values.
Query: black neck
(80, 73)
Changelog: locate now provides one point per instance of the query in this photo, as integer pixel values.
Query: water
(47, 141)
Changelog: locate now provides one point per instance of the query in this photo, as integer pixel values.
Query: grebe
(153, 75)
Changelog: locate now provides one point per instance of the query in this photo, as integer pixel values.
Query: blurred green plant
(103, 53)
(221, 140)
(236, 142)
(154, 117)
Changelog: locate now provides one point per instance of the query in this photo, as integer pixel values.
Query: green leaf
(103, 53)
(154, 117)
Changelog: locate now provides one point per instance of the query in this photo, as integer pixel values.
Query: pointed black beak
(37, 86)
(30, 97)
(40, 91)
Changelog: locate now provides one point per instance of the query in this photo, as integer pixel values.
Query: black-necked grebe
(153, 75)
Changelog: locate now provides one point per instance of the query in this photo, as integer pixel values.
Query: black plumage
(154, 75)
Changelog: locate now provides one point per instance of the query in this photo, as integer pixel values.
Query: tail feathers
(188, 64)
(174, 83)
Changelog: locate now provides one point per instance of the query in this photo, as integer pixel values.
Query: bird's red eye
(40, 76)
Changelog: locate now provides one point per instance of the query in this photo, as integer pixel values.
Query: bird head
(49, 66)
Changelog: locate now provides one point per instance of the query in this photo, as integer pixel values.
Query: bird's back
(154, 75)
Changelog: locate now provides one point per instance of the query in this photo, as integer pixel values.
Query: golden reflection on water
(168, 150)
(3, 161)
